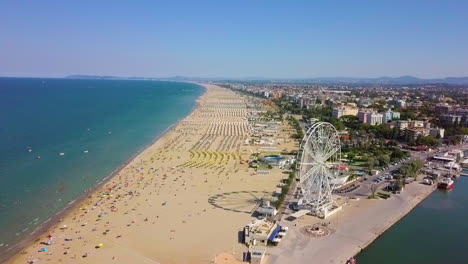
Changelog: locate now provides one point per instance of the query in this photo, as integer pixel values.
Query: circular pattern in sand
(241, 202)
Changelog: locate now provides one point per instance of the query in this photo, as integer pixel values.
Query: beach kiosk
(266, 211)
(260, 232)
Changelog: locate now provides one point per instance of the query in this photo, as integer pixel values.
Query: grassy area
(383, 195)
(373, 155)
(358, 163)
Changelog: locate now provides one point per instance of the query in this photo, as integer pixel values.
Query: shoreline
(182, 200)
(13, 250)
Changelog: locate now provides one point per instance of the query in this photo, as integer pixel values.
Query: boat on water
(445, 184)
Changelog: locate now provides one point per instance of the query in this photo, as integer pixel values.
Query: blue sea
(96, 124)
(435, 232)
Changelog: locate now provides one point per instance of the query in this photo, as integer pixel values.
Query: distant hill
(402, 80)
(390, 80)
(90, 77)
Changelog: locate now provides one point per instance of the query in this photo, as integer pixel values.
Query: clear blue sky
(234, 38)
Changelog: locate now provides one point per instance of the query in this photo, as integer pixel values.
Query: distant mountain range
(391, 80)
(402, 80)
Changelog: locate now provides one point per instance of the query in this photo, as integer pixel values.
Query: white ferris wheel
(319, 167)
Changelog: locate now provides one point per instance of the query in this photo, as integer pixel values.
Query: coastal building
(362, 115)
(266, 211)
(455, 116)
(399, 103)
(306, 102)
(390, 115)
(261, 232)
(387, 116)
(364, 102)
(395, 115)
(450, 119)
(437, 132)
(340, 111)
(416, 124)
(375, 119)
(413, 133)
(369, 116)
(441, 109)
(402, 124)
(427, 124)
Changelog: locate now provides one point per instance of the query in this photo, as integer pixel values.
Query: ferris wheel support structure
(319, 156)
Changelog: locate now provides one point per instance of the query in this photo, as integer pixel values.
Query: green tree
(371, 163)
(430, 141)
(419, 140)
(383, 159)
(412, 168)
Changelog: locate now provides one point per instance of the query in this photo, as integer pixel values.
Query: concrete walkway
(354, 227)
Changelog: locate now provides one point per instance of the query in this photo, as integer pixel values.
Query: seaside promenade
(352, 229)
(182, 200)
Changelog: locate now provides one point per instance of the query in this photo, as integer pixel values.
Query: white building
(340, 111)
(435, 132)
(375, 119)
(390, 115)
(370, 117)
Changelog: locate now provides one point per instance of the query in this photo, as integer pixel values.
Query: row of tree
(287, 185)
(297, 126)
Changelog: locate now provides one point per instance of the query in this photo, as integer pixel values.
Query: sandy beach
(185, 198)
(181, 200)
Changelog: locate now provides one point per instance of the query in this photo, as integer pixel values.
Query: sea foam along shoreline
(45, 226)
